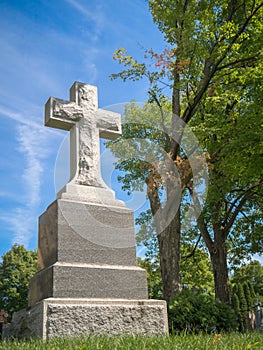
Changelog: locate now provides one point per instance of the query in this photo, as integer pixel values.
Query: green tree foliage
(213, 69)
(235, 303)
(247, 293)
(236, 307)
(154, 279)
(196, 271)
(252, 292)
(17, 267)
(243, 306)
(243, 300)
(253, 274)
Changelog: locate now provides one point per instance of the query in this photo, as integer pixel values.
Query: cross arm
(109, 124)
(62, 114)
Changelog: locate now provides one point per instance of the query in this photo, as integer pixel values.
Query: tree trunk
(169, 250)
(218, 255)
(167, 221)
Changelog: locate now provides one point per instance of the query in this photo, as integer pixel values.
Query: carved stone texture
(77, 317)
(87, 123)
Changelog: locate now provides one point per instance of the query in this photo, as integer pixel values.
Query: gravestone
(3, 323)
(87, 279)
(259, 316)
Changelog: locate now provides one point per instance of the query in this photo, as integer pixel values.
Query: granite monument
(87, 281)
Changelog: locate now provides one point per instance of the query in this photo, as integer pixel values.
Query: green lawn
(181, 342)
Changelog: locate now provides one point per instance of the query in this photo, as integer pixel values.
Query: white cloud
(95, 16)
(40, 63)
(89, 56)
(84, 11)
(5, 194)
(26, 121)
(22, 223)
(17, 117)
(34, 144)
(33, 72)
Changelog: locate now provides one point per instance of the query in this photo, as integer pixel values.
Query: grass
(230, 341)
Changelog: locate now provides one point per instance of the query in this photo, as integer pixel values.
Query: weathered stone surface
(64, 280)
(89, 194)
(27, 323)
(87, 123)
(85, 233)
(5, 330)
(77, 317)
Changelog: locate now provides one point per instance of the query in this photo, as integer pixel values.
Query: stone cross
(86, 123)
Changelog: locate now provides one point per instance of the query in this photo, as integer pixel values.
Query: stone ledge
(78, 281)
(88, 194)
(77, 317)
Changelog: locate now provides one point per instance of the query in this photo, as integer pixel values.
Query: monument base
(55, 317)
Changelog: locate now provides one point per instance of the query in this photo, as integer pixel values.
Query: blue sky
(45, 47)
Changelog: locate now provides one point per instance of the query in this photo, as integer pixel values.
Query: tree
(243, 307)
(243, 282)
(17, 267)
(249, 300)
(252, 294)
(235, 304)
(214, 70)
(196, 271)
(154, 279)
(140, 139)
(251, 273)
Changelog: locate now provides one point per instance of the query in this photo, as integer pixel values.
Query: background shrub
(194, 311)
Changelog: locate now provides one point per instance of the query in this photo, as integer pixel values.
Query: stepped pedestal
(88, 281)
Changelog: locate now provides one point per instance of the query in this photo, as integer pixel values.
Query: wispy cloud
(39, 68)
(89, 56)
(5, 194)
(33, 70)
(32, 141)
(26, 121)
(95, 16)
(18, 117)
(83, 10)
(34, 144)
(21, 223)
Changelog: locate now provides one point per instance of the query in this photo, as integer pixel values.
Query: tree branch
(168, 139)
(193, 251)
(209, 73)
(237, 62)
(241, 200)
(234, 204)
(200, 220)
(204, 232)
